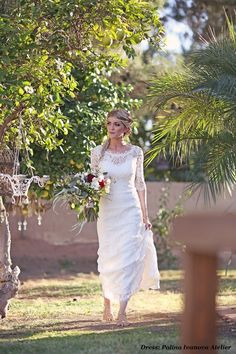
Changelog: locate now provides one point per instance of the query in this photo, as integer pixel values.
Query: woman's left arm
(141, 189)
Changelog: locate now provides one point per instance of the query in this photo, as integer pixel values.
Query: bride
(127, 258)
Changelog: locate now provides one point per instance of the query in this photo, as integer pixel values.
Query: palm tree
(201, 129)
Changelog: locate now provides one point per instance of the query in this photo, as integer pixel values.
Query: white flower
(31, 110)
(95, 184)
(100, 177)
(60, 64)
(107, 188)
(108, 181)
(29, 89)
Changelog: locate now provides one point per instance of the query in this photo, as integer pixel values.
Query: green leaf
(21, 91)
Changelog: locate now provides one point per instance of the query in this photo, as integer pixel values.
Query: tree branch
(8, 120)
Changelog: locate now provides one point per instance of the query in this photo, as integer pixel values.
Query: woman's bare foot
(107, 314)
(122, 320)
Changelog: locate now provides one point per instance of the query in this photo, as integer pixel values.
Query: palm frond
(203, 121)
(231, 27)
(180, 133)
(218, 161)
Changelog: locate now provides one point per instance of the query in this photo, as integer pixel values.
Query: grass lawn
(62, 316)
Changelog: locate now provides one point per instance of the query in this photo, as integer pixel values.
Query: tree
(61, 37)
(56, 58)
(199, 16)
(199, 126)
(96, 96)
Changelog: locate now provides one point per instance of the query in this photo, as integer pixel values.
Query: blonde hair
(125, 117)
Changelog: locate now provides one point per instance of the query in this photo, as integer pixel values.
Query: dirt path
(39, 259)
(155, 322)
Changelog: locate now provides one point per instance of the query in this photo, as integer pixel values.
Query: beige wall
(57, 226)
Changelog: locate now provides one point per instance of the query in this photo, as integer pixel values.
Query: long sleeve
(94, 160)
(140, 184)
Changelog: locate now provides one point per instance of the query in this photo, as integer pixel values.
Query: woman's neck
(116, 144)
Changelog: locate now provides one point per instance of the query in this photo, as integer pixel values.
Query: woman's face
(115, 128)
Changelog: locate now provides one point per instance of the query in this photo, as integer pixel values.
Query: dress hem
(153, 285)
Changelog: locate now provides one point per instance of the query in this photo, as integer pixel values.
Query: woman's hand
(147, 223)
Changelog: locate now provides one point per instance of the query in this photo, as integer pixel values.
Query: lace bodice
(126, 166)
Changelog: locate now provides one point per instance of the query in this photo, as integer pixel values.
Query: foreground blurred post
(204, 235)
(199, 326)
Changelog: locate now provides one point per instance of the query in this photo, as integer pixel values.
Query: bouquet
(82, 192)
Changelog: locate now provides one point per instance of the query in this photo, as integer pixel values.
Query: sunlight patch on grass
(157, 301)
(63, 316)
(227, 288)
(74, 286)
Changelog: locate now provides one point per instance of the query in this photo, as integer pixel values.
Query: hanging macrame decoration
(20, 186)
(6, 167)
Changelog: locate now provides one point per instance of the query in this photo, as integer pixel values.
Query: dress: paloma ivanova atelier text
(127, 259)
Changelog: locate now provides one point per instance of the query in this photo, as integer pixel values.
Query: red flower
(102, 183)
(90, 177)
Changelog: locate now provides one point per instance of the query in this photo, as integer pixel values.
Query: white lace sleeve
(94, 160)
(140, 184)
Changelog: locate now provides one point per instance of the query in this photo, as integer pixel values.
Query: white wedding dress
(127, 259)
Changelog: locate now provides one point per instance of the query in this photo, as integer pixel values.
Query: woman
(126, 256)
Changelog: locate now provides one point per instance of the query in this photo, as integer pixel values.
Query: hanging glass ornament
(25, 225)
(19, 226)
(39, 219)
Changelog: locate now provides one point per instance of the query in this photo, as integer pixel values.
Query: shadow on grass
(154, 322)
(118, 342)
(86, 289)
(227, 284)
(175, 286)
(59, 291)
(73, 337)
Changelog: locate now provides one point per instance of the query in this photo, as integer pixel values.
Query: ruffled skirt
(127, 259)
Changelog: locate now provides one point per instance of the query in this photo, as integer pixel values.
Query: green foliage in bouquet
(82, 193)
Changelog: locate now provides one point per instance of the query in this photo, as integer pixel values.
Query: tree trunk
(9, 282)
